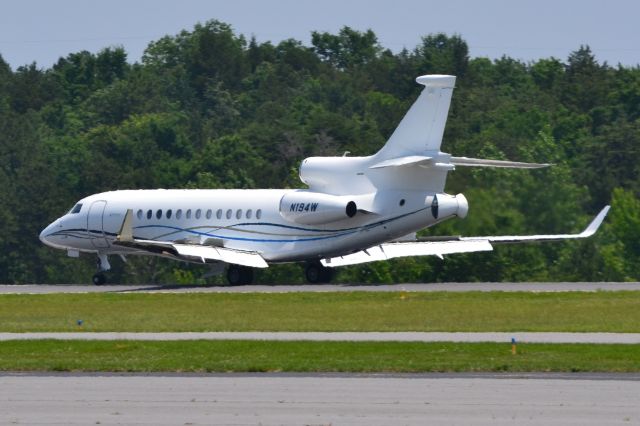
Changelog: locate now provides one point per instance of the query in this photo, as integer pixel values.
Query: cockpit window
(76, 209)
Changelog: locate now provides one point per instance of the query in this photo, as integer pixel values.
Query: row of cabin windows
(198, 214)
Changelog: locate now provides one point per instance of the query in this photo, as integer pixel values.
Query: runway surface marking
(528, 337)
(425, 287)
(314, 400)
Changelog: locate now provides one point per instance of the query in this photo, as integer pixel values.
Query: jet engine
(445, 205)
(314, 208)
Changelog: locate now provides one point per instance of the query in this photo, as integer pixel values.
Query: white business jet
(356, 210)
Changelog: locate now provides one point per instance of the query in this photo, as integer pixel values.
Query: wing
(186, 251)
(450, 245)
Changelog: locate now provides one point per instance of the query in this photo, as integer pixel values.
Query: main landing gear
(316, 273)
(99, 278)
(239, 275)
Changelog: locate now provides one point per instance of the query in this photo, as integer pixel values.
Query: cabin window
(75, 209)
(169, 214)
(209, 213)
(159, 214)
(179, 214)
(401, 202)
(258, 214)
(198, 213)
(139, 214)
(229, 213)
(239, 214)
(249, 213)
(149, 214)
(219, 214)
(189, 214)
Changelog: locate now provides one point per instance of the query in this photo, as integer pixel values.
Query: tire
(239, 275)
(99, 279)
(315, 273)
(247, 275)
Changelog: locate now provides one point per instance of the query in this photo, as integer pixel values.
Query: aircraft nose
(46, 232)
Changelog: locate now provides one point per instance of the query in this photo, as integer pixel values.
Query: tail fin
(422, 127)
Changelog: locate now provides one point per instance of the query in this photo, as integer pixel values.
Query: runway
(458, 337)
(409, 287)
(285, 399)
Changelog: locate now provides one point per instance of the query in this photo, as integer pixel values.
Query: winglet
(595, 223)
(126, 230)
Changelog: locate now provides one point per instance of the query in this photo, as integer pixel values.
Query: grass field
(356, 311)
(251, 356)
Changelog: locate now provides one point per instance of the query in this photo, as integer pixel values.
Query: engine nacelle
(313, 208)
(445, 205)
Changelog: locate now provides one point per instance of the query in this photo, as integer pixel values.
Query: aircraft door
(95, 224)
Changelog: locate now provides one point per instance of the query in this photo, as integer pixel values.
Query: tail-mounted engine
(444, 206)
(313, 208)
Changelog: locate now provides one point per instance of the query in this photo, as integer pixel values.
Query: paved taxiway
(318, 399)
(529, 287)
(461, 337)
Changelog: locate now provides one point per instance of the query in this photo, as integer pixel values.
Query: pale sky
(42, 31)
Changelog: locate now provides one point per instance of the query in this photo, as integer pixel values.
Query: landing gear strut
(99, 277)
(239, 275)
(316, 273)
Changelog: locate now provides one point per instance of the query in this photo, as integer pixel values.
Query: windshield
(76, 209)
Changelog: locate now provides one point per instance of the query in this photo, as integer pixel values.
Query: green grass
(355, 311)
(252, 356)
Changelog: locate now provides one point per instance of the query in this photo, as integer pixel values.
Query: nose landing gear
(99, 278)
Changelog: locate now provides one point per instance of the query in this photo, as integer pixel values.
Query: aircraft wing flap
(394, 250)
(197, 252)
(435, 248)
(238, 257)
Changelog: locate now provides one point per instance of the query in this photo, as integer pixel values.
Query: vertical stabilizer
(422, 127)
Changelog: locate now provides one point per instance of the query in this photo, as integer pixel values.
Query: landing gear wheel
(239, 275)
(99, 279)
(318, 274)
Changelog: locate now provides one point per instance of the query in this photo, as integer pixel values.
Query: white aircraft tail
(422, 127)
(411, 159)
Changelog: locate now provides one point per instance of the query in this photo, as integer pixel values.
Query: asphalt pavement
(273, 399)
(460, 337)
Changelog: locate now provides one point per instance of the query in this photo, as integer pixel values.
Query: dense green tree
(350, 48)
(441, 54)
(207, 109)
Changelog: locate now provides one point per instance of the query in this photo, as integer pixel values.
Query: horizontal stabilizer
(403, 161)
(479, 162)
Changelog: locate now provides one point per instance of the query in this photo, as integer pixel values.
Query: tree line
(208, 108)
